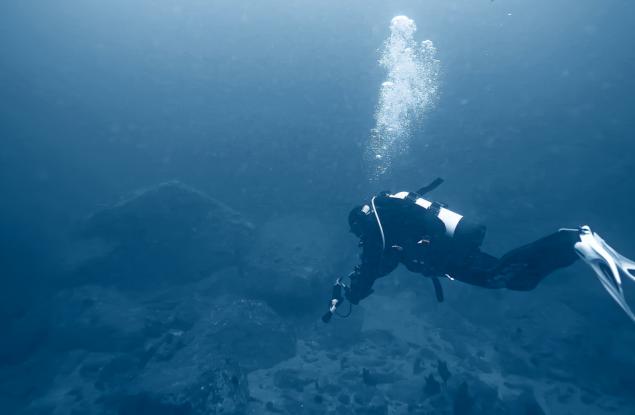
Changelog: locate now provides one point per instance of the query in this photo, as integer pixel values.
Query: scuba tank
(463, 232)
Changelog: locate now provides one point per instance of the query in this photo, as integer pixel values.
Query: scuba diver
(429, 239)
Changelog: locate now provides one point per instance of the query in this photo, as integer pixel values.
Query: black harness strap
(426, 189)
(438, 289)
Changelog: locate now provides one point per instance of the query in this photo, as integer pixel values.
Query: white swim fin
(609, 265)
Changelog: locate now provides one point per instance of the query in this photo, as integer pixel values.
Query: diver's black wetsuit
(417, 237)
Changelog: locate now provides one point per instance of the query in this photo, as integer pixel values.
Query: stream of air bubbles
(408, 92)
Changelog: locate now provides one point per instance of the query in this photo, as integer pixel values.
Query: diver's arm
(361, 286)
(373, 265)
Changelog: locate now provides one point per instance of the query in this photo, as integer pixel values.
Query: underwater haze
(176, 177)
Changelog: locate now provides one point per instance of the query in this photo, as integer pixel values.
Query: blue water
(267, 107)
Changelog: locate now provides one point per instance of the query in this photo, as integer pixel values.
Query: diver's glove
(609, 265)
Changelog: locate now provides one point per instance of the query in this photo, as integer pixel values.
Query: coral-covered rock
(246, 330)
(217, 387)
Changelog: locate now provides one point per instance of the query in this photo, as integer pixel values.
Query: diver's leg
(523, 268)
(476, 268)
(520, 269)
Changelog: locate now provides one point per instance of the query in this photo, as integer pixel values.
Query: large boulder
(174, 325)
(289, 264)
(202, 370)
(166, 233)
(96, 319)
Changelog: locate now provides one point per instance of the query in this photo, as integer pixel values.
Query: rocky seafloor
(185, 307)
